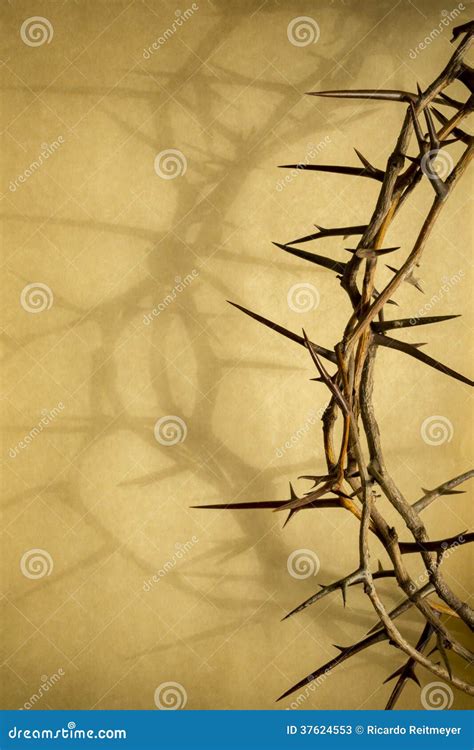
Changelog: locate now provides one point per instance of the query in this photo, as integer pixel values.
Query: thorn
(446, 492)
(387, 325)
(410, 278)
(370, 252)
(320, 260)
(377, 94)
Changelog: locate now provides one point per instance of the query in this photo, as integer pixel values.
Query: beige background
(109, 237)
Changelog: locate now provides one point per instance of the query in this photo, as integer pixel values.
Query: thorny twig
(352, 478)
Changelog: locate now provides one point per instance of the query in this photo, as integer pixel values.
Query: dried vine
(354, 479)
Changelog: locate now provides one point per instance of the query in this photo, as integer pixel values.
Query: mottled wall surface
(116, 270)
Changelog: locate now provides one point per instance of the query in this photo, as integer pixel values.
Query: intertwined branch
(356, 469)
